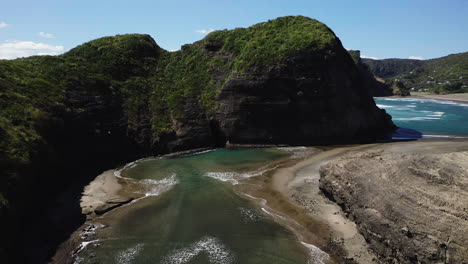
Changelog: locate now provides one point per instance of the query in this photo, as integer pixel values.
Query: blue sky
(379, 28)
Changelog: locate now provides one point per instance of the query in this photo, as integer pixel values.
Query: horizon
(380, 30)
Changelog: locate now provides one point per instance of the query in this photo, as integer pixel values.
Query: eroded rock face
(318, 99)
(410, 208)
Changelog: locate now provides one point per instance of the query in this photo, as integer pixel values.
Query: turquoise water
(433, 118)
(192, 215)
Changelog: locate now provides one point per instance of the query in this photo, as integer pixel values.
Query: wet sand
(291, 192)
(298, 184)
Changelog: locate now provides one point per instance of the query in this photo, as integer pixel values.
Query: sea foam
(317, 256)
(128, 255)
(233, 177)
(156, 187)
(217, 252)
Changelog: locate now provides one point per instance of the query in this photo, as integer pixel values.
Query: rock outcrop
(66, 118)
(410, 208)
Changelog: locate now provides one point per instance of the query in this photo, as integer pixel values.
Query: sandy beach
(299, 184)
(459, 97)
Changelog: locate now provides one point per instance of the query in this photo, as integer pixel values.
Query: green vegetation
(33, 93)
(37, 92)
(271, 43)
(443, 75)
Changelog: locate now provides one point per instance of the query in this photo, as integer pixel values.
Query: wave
(198, 153)
(416, 118)
(384, 106)
(262, 201)
(217, 252)
(316, 254)
(80, 248)
(443, 136)
(128, 255)
(298, 152)
(424, 100)
(133, 164)
(273, 214)
(156, 187)
(233, 177)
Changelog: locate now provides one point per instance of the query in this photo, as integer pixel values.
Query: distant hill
(442, 75)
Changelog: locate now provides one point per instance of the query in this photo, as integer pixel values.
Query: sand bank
(299, 184)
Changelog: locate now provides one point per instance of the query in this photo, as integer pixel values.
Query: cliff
(65, 118)
(375, 85)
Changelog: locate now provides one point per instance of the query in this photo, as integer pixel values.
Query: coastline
(300, 185)
(459, 98)
(290, 193)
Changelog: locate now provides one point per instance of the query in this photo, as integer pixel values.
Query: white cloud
(45, 35)
(18, 49)
(3, 25)
(415, 58)
(369, 57)
(204, 31)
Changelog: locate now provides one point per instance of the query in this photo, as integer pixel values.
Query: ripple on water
(217, 252)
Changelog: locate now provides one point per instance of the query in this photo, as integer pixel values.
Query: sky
(420, 29)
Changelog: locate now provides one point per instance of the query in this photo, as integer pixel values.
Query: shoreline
(289, 192)
(457, 98)
(300, 185)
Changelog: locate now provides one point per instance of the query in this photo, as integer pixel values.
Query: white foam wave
(316, 254)
(292, 148)
(233, 177)
(83, 245)
(224, 176)
(156, 187)
(128, 255)
(262, 201)
(298, 152)
(198, 153)
(133, 164)
(273, 214)
(217, 252)
(423, 100)
(417, 118)
(384, 106)
(442, 136)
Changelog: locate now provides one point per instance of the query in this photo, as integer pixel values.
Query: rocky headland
(65, 119)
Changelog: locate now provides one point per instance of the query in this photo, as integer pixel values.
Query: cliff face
(118, 98)
(374, 86)
(284, 81)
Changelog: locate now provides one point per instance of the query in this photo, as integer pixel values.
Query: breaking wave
(217, 252)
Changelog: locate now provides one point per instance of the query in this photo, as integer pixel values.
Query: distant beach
(458, 97)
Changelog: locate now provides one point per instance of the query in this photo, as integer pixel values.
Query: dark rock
(112, 204)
